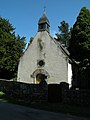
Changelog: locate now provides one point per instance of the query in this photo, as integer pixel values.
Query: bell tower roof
(43, 23)
(44, 19)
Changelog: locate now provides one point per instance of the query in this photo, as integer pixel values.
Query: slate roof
(44, 19)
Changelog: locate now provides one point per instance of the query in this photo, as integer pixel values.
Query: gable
(47, 42)
(47, 50)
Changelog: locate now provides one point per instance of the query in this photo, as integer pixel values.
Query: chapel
(45, 58)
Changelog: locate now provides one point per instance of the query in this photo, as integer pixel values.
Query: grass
(2, 94)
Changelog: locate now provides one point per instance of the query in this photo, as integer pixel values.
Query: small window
(41, 63)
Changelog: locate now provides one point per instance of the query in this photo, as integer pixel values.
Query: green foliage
(79, 46)
(2, 94)
(11, 49)
(80, 37)
(31, 39)
(65, 34)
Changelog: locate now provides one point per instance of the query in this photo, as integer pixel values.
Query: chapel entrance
(40, 78)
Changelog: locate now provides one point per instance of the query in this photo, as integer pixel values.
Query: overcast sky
(24, 14)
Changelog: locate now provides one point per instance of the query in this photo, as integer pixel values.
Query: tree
(11, 49)
(79, 46)
(31, 39)
(64, 35)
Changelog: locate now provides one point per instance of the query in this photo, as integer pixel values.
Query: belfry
(43, 23)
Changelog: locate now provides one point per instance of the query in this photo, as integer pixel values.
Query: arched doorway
(40, 75)
(40, 78)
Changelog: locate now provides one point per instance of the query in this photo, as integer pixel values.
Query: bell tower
(43, 23)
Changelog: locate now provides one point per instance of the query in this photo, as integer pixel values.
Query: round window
(41, 63)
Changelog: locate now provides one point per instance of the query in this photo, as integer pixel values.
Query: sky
(24, 14)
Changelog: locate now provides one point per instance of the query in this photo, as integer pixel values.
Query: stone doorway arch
(40, 75)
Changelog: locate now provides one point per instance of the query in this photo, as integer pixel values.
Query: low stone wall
(62, 93)
(76, 97)
(23, 91)
(44, 93)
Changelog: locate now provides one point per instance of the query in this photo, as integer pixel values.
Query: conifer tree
(64, 35)
(79, 46)
(11, 49)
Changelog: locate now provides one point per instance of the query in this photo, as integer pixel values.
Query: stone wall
(76, 97)
(28, 93)
(62, 94)
(24, 92)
